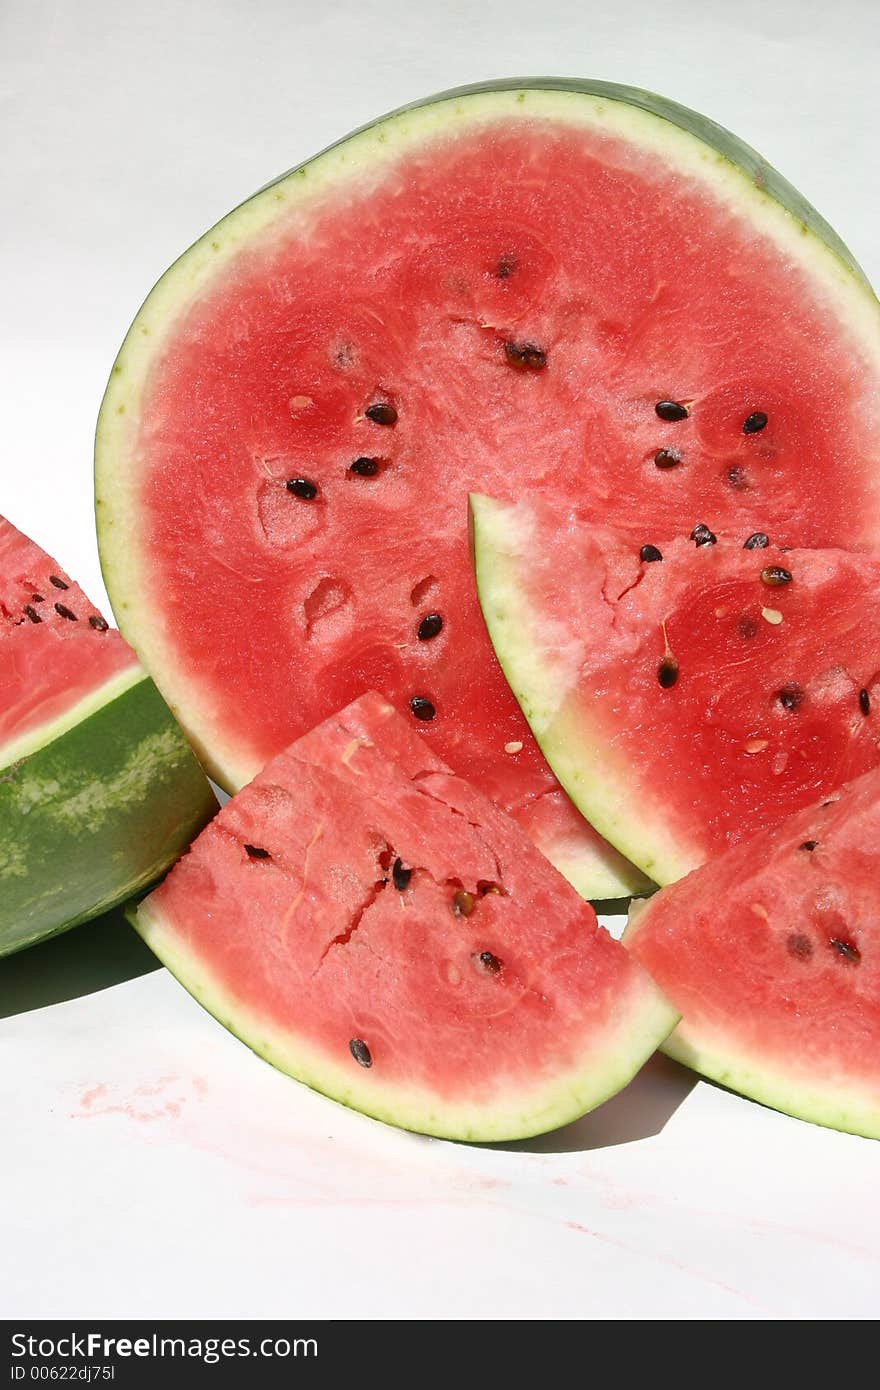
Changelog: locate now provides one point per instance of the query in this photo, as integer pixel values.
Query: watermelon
(372, 924)
(99, 791)
(772, 953)
(690, 691)
(568, 287)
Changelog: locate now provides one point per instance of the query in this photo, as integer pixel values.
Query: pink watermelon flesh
(374, 925)
(516, 296)
(776, 691)
(772, 953)
(56, 650)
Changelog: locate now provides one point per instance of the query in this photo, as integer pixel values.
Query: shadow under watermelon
(92, 957)
(640, 1110)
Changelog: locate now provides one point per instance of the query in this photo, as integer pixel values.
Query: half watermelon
(99, 791)
(687, 693)
(772, 953)
(376, 927)
(570, 288)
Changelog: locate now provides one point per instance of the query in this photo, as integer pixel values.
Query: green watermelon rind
(735, 173)
(831, 1104)
(96, 814)
(644, 1018)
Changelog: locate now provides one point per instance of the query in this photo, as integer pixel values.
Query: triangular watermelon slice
(99, 790)
(772, 953)
(376, 927)
(689, 692)
(574, 288)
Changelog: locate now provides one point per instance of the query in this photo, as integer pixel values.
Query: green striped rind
(575, 745)
(96, 815)
(642, 1019)
(689, 144)
(833, 1102)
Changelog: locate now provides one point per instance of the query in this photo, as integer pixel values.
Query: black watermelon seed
(422, 708)
(864, 700)
(98, 623)
(401, 876)
(701, 535)
(364, 467)
(37, 598)
(360, 1052)
(756, 541)
(755, 422)
(667, 458)
(801, 947)
(429, 627)
(463, 903)
(737, 478)
(747, 627)
(505, 267)
(671, 410)
(649, 553)
(526, 356)
(790, 696)
(774, 576)
(301, 487)
(59, 583)
(809, 845)
(667, 672)
(32, 614)
(847, 949)
(491, 964)
(64, 612)
(255, 852)
(381, 413)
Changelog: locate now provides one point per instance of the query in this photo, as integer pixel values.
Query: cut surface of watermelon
(549, 286)
(772, 953)
(99, 791)
(373, 925)
(687, 701)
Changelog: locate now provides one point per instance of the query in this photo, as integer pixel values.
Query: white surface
(151, 1165)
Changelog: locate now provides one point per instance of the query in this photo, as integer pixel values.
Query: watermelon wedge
(566, 287)
(687, 693)
(99, 791)
(376, 927)
(772, 953)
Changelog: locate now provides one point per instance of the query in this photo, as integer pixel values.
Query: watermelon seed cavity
(671, 410)
(301, 487)
(429, 627)
(755, 422)
(422, 708)
(360, 1052)
(790, 696)
(757, 541)
(799, 946)
(847, 949)
(737, 478)
(809, 845)
(255, 852)
(746, 627)
(506, 266)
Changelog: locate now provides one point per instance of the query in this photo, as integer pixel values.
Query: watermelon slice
(373, 925)
(569, 287)
(99, 791)
(772, 953)
(688, 693)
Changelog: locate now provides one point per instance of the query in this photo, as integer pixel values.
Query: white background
(151, 1165)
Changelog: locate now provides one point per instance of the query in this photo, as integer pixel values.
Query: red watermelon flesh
(373, 925)
(495, 293)
(685, 702)
(56, 650)
(772, 953)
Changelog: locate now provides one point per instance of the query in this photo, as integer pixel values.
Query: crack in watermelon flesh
(777, 694)
(516, 286)
(772, 953)
(383, 998)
